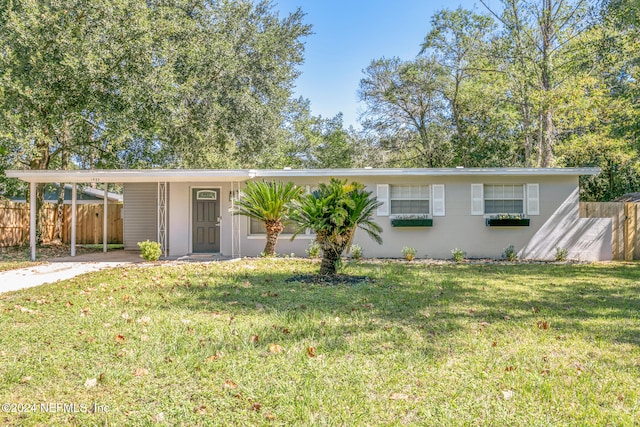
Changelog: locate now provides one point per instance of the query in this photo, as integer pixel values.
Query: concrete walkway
(64, 268)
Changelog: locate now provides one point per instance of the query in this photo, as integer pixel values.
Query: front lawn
(240, 343)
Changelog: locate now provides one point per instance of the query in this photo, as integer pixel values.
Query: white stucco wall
(585, 239)
(556, 225)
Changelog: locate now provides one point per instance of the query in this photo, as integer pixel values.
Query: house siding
(140, 214)
(556, 223)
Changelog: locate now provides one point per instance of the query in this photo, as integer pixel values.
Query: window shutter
(533, 199)
(477, 199)
(383, 196)
(438, 199)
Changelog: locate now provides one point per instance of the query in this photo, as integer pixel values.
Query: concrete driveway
(64, 268)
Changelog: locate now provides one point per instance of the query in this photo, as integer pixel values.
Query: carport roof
(239, 175)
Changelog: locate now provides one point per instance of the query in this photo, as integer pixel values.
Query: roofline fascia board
(129, 175)
(239, 175)
(427, 172)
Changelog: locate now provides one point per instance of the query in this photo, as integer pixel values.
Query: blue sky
(348, 34)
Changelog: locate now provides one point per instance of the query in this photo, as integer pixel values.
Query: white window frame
(429, 199)
(524, 199)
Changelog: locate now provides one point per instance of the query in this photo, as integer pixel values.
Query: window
(256, 228)
(206, 195)
(409, 199)
(508, 199)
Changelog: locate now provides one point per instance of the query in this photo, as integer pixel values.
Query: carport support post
(73, 218)
(32, 219)
(104, 218)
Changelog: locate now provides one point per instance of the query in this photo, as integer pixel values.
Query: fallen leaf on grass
(543, 325)
(214, 357)
(494, 344)
(256, 406)
(91, 382)
(200, 410)
(254, 339)
(230, 384)
(85, 312)
(140, 372)
(120, 338)
(270, 417)
(25, 379)
(311, 351)
(275, 348)
(510, 368)
(398, 396)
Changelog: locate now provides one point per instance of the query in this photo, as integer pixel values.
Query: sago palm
(333, 213)
(268, 202)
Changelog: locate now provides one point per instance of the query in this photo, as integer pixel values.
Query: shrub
(333, 212)
(356, 252)
(313, 251)
(149, 250)
(409, 253)
(458, 254)
(561, 253)
(510, 253)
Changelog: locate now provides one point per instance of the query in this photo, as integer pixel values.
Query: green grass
(417, 344)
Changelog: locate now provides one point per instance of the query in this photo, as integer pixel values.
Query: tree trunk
(546, 116)
(274, 228)
(57, 235)
(40, 162)
(330, 261)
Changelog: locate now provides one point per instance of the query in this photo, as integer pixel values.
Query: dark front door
(206, 220)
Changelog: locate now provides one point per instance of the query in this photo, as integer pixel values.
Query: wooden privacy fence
(14, 223)
(625, 238)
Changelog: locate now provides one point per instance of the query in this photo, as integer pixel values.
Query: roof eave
(239, 175)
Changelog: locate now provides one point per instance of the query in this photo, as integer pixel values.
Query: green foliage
(313, 251)
(407, 110)
(510, 253)
(561, 254)
(149, 250)
(333, 212)
(356, 252)
(269, 202)
(409, 253)
(458, 254)
(315, 142)
(130, 83)
(532, 84)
